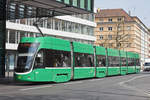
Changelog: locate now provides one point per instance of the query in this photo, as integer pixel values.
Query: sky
(139, 8)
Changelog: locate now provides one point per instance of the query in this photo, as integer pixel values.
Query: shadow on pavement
(11, 82)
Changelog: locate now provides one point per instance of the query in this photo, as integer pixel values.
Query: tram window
(113, 61)
(52, 58)
(101, 61)
(131, 62)
(84, 60)
(123, 61)
(39, 60)
(57, 58)
(137, 62)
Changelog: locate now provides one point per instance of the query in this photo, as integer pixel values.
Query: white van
(147, 65)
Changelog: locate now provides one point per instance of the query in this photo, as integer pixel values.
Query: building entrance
(10, 63)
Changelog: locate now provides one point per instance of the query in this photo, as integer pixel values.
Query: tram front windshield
(26, 53)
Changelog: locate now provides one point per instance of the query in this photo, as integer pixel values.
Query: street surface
(129, 87)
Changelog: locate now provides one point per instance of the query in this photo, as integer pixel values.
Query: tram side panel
(138, 66)
(57, 59)
(123, 62)
(83, 60)
(113, 62)
(101, 62)
(131, 62)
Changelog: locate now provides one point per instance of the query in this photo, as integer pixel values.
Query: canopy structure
(18, 9)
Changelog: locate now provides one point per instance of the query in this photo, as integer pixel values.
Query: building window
(119, 28)
(110, 20)
(12, 36)
(110, 45)
(119, 19)
(82, 4)
(22, 34)
(118, 44)
(7, 36)
(110, 37)
(101, 20)
(101, 44)
(129, 45)
(101, 37)
(75, 3)
(119, 37)
(101, 28)
(109, 28)
(21, 11)
(89, 5)
(128, 27)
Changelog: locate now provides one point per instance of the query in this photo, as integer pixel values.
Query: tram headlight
(29, 77)
(19, 77)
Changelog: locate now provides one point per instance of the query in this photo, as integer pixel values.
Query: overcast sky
(140, 8)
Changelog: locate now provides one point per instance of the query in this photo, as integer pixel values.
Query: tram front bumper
(24, 77)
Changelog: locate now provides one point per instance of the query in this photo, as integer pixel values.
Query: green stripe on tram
(83, 48)
(100, 50)
(112, 52)
(113, 70)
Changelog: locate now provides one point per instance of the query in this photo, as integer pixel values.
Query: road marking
(69, 83)
(34, 88)
(95, 80)
(123, 83)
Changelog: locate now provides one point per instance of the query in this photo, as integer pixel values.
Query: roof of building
(141, 22)
(108, 13)
(113, 13)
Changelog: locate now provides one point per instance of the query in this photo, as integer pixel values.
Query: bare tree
(119, 40)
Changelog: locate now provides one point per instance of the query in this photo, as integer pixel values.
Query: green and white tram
(49, 59)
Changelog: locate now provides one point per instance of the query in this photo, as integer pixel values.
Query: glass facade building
(22, 15)
(76, 30)
(82, 4)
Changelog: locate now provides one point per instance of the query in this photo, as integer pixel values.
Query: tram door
(10, 64)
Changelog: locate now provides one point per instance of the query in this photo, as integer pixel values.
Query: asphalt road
(129, 87)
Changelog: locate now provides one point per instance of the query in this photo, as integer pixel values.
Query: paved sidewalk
(7, 80)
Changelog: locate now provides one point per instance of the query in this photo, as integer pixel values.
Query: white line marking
(34, 88)
(123, 83)
(95, 80)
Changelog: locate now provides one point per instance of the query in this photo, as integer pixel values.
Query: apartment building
(118, 29)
